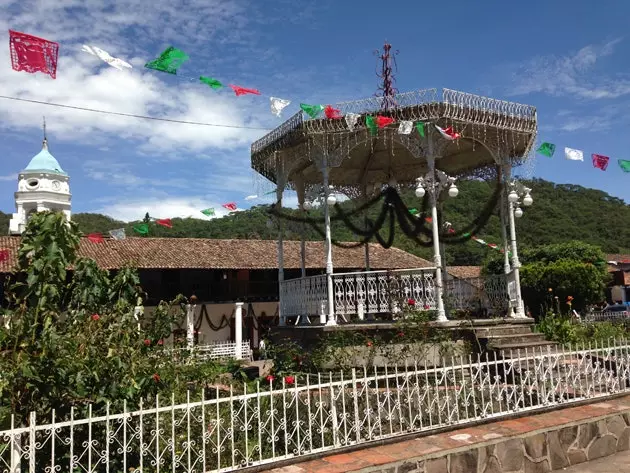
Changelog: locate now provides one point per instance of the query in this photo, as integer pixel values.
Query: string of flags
(599, 161)
(494, 246)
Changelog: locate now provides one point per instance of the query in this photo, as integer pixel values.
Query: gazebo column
(300, 190)
(516, 264)
(332, 319)
(507, 269)
(434, 190)
(279, 192)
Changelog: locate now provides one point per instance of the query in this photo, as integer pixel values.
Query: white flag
(277, 105)
(105, 56)
(351, 120)
(118, 234)
(405, 127)
(574, 154)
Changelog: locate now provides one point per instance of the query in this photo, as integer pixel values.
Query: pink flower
(401, 334)
(156, 377)
(270, 378)
(160, 342)
(95, 317)
(411, 302)
(369, 344)
(427, 307)
(147, 342)
(289, 379)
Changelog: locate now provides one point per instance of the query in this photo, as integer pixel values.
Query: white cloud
(125, 29)
(130, 210)
(571, 75)
(9, 177)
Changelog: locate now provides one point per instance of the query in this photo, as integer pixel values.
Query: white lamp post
(518, 193)
(435, 184)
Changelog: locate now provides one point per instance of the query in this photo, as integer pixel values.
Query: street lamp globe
(527, 200)
(331, 200)
(518, 212)
(453, 191)
(513, 196)
(308, 205)
(420, 192)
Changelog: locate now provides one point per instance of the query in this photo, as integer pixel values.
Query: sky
(568, 58)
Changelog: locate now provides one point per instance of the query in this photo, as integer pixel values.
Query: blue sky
(567, 58)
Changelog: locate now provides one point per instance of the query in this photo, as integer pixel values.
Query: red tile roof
(202, 253)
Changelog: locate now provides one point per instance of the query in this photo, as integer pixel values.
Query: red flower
(411, 301)
(289, 379)
(160, 342)
(401, 334)
(147, 342)
(427, 306)
(95, 317)
(270, 378)
(369, 344)
(156, 377)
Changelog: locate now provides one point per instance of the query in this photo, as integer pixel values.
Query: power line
(145, 117)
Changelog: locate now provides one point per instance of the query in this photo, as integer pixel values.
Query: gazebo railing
(484, 292)
(376, 292)
(303, 296)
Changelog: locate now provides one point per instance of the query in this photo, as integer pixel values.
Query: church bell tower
(42, 185)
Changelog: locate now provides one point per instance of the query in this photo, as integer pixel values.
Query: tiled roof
(202, 253)
(464, 272)
(618, 258)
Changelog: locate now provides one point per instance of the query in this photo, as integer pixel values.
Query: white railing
(485, 292)
(214, 351)
(225, 430)
(607, 316)
(383, 291)
(303, 296)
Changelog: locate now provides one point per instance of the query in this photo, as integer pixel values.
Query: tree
(571, 274)
(71, 344)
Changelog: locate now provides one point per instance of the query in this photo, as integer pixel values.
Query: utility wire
(132, 115)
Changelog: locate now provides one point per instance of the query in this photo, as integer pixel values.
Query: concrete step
(506, 347)
(507, 329)
(523, 338)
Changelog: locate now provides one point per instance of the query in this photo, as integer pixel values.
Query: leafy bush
(72, 342)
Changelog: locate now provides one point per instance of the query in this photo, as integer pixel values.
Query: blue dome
(44, 161)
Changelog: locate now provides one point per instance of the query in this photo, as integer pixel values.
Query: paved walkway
(619, 463)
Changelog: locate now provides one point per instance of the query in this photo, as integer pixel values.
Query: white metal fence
(225, 431)
(607, 316)
(214, 351)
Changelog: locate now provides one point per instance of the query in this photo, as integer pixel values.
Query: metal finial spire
(387, 89)
(45, 143)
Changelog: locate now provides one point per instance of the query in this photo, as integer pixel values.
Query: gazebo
(368, 150)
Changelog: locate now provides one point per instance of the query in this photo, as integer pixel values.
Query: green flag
(420, 128)
(624, 164)
(371, 124)
(213, 83)
(466, 235)
(413, 211)
(546, 149)
(312, 110)
(169, 61)
(142, 229)
(208, 212)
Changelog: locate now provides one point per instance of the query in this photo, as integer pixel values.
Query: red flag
(95, 238)
(428, 220)
(600, 162)
(492, 245)
(165, 222)
(4, 255)
(332, 112)
(231, 206)
(383, 121)
(448, 133)
(451, 230)
(32, 54)
(243, 91)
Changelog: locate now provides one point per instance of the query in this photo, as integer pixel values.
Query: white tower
(42, 185)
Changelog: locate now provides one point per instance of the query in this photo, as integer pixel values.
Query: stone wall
(540, 452)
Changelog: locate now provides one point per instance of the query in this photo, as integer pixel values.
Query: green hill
(561, 212)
